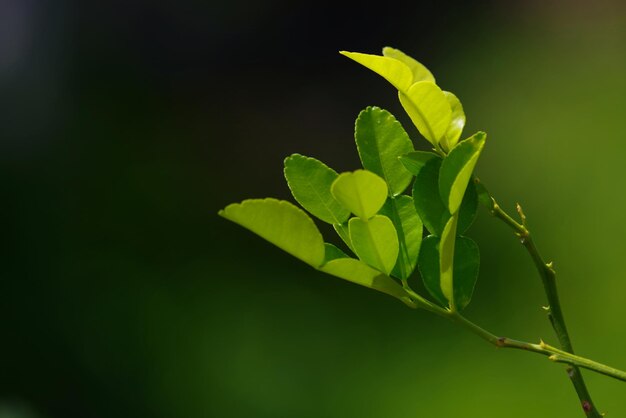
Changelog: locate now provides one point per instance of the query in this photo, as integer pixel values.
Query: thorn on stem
(521, 214)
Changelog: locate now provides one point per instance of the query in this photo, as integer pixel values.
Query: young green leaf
(415, 160)
(310, 181)
(360, 273)
(401, 211)
(392, 70)
(380, 139)
(429, 110)
(375, 242)
(426, 198)
(282, 224)
(456, 125)
(332, 253)
(456, 170)
(420, 72)
(466, 265)
(446, 259)
(361, 192)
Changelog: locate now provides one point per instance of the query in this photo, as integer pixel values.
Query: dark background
(126, 126)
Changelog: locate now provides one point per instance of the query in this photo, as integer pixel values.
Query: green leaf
(428, 265)
(420, 72)
(282, 224)
(426, 198)
(429, 110)
(456, 170)
(468, 209)
(446, 259)
(360, 273)
(380, 139)
(375, 242)
(458, 121)
(401, 211)
(310, 181)
(414, 161)
(392, 70)
(361, 192)
(332, 253)
(428, 203)
(466, 266)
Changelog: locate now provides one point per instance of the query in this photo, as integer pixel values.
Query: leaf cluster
(389, 228)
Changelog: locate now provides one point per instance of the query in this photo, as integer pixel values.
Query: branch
(555, 314)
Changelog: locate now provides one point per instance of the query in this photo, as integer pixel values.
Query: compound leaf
(420, 72)
(310, 181)
(282, 224)
(380, 140)
(456, 170)
(429, 110)
(361, 192)
(402, 213)
(392, 70)
(375, 242)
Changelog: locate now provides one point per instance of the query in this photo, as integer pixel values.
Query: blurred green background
(126, 126)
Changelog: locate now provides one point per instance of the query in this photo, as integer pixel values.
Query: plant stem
(553, 353)
(555, 314)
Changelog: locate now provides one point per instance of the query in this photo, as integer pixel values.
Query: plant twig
(555, 313)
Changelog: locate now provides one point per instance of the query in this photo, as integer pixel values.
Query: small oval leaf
(456, 124)
(281, 223)
(375, 242)
(380, 140)
(429, 110)
(420, 72)
(309, 181)
(456, 170)
(402, 213)
(392, 70)
(361, 192)
(360, 273)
